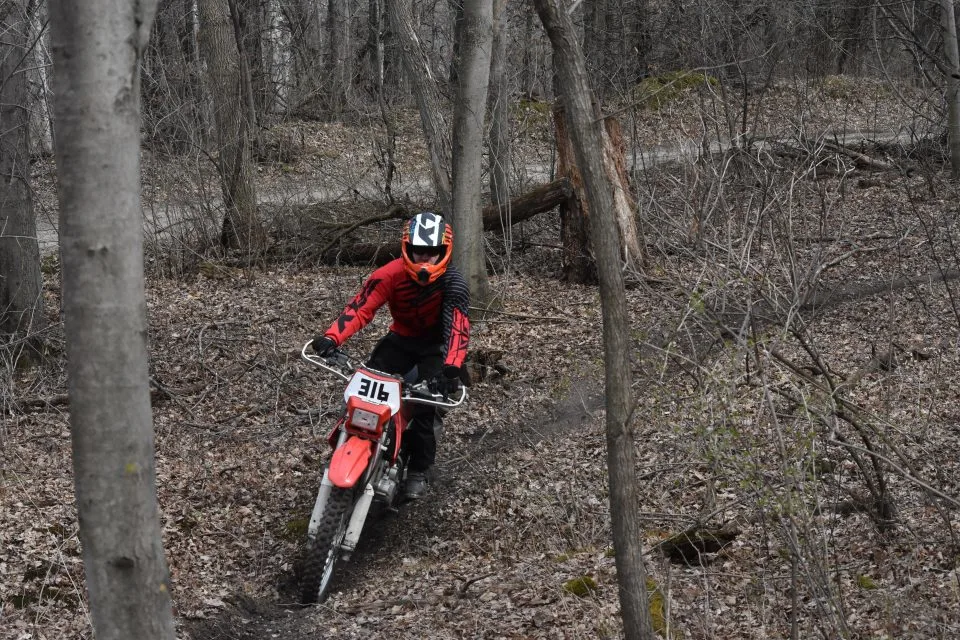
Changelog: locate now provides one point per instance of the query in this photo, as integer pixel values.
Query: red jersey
(437, 312)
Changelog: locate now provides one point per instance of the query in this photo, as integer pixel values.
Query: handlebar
(340, 364)
(343, 366)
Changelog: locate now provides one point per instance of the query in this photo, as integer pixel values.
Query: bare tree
(98, 45)
(468, 128)
(373, 48)
(41, 123)
(245, 18)
(499, 102)
(306, 50)
(596, 37)
(21, 308)
(587, 132)
(949, 22)
(171, 91)
(340, 60)
(427, 94)
(241, 225)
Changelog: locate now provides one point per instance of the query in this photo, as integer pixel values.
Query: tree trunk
(277, 57)
(248, 57)
(527, 72)
(306, 51)
(587, 134)
(340, 60)
(21, 306)
(853, 30)
(624, 206)
(97, 50)
(255, 28)
(374, 48)
(41, 124)
(427, 94)
(949, 23)
(578, 264)
(498, 106)
(595, 44)
(456, 11)
(241, 225)
(468, 129)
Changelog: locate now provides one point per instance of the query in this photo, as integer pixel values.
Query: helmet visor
(420, 253)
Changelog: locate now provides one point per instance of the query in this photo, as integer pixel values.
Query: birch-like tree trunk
(41, 123)
(241, 225)
(21, 307)
(427, 94)
(468, 129)
(97, 46)
(587, 132)
(949, 23)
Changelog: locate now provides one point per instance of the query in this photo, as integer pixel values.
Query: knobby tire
(322, 553)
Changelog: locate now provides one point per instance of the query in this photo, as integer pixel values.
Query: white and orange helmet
(426, 233)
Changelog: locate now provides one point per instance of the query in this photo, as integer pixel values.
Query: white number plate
(374, 389)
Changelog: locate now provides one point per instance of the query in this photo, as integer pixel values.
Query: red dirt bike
(368, 464)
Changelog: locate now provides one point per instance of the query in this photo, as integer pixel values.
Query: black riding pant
(399, 355)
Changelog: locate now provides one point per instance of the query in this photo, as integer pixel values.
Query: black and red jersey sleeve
(360, 311)
(456, 317)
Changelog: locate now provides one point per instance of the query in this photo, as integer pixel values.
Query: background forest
(786, 203)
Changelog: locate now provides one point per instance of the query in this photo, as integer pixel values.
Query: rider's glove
(450, 380)
(324, 346)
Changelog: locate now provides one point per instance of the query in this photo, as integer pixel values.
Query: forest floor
(738, 432)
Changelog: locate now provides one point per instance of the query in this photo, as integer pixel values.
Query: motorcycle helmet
(426, 234)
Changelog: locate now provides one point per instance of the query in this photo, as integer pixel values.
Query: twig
(903, 473)
(462, 589)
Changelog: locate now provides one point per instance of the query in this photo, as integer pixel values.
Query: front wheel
(324, 549)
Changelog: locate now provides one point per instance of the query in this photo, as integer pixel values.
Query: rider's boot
(416, 486)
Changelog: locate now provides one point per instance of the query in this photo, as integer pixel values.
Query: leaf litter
(520, 507)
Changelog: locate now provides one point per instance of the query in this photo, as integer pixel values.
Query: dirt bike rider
(428, 301)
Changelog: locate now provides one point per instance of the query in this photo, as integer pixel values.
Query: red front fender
(349, 461)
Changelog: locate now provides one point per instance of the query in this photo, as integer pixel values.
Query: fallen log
(862, 160)
(543, 198)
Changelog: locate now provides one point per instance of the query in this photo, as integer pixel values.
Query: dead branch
(862, 160)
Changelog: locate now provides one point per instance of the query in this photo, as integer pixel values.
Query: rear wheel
(324, 549)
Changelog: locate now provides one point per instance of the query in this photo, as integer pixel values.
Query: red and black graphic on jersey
(436, 312)
(459, 339)
(357, 309)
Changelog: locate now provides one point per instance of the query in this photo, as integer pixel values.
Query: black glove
(449, 381)
(324, 346)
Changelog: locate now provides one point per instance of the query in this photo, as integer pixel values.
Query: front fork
(386, 487)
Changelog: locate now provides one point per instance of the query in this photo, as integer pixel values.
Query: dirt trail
(466, 465)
